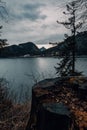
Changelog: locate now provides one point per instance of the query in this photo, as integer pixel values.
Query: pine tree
(3, 42)
(73, 23)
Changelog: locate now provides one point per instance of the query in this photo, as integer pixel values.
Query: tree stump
(53, 116)
(46, 113)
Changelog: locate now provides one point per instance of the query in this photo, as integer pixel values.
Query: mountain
(82, 43)
(42, 49)
(81, 46)
(30, 49)
(20, 50)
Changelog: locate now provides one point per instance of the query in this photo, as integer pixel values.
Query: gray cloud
(33, 21)
(33, 6)
(33, 15)
(31, 11)
(51, 38)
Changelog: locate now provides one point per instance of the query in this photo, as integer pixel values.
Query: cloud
(33, 6)
(33, 15)
(34, 21)
(51, 38)
(31, 11)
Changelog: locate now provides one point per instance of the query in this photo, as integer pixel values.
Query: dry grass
(12, 116)
(15, 118)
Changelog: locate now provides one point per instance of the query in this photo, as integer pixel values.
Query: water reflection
(22, 73)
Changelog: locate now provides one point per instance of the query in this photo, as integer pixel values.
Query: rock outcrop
(56, 104)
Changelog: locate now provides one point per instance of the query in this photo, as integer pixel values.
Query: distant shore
(38, 56)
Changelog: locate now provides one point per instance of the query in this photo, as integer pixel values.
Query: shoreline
(81, 56)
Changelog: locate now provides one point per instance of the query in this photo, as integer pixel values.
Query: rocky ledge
(59, 103)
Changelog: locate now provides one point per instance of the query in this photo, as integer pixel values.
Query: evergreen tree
(3, 42)
(74, 24)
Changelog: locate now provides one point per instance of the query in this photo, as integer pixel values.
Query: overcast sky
(35, 21)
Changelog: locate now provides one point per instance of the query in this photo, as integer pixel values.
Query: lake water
(23, 73)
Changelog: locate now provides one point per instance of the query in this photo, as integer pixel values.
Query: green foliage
(64, 68)
(74, 23)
